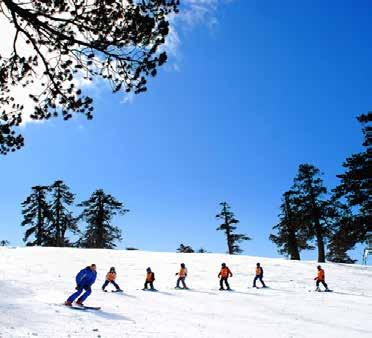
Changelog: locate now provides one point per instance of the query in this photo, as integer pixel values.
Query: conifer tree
(4, 242)
(36, 217)
(316, 211)
(56, 43)
(291, 236)
(62, 219)
(343, 236)
(354, 191)
(98, 212)
(228, 226)
(185, 249)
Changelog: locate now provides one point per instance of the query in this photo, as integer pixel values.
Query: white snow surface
(34, 282)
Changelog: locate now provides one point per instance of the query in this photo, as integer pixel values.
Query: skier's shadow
(122, 294)
(206, 292)
(112, 316)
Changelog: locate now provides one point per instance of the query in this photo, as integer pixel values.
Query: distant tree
(98, 212)
(131, 248)
(4, 243)
(36, 216)
(62, 219)
(316, 210)
(228, 226)
(202, 250)
(185, 249)
(55, 43)
(291, 236)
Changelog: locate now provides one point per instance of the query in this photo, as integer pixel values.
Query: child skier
(259, 276)
(320, 278)
(224, 275)
(150, 278)
(182, 274)
(84, 281)
(110, 278)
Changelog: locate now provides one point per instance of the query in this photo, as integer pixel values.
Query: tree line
(49, 220)
(336, 220)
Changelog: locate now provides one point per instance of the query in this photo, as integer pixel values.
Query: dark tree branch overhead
(70, 40)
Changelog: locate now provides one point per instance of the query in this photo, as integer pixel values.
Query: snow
(34, 282)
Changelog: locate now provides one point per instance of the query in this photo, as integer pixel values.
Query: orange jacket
(111, 276)
(225, 273)
(182, 273)
(150, 277)
(321, 275)
(258, 271)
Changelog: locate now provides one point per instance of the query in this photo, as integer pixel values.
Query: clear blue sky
(271, 85)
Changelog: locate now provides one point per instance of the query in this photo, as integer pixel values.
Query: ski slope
(34, 282)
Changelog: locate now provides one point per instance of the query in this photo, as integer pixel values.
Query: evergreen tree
(316, 211)
(185, 249)
(98, 212)
(202, 250)
(345, 232)
(37, 217)
(62, 218)
(291, 236)
(228, 226)
(4, 242)
(354, 190)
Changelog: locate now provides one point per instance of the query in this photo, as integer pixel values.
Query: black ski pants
(181, 280)
(107, 282)
(222, 280)
(260, 279)
(323, 282)
(149, 283)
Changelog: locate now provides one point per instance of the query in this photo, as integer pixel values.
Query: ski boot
(68, 303)
(80, 303)
(318, 289)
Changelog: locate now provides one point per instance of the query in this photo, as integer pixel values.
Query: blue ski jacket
(86, 277)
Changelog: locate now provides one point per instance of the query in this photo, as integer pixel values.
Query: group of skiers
(87, 276)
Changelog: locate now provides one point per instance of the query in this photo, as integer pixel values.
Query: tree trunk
(292, 239)
(39, 222)
(228, 234)
(320, 242)
(58, 218)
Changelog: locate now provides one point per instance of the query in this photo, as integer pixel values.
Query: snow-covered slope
(35, 281)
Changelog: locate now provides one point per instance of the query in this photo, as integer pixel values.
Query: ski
(91, 307)
(82, 307)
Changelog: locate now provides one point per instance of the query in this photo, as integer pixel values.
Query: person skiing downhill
(182, 274)
(84, 281)
(150, 278)
(259, 276)
(320, 278)
(110, 278)
(224, 275)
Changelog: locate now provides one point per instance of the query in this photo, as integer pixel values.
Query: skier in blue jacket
(84, 281)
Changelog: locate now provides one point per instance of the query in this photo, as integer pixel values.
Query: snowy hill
(35, 281)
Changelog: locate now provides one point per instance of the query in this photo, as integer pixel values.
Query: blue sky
(252, 89)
